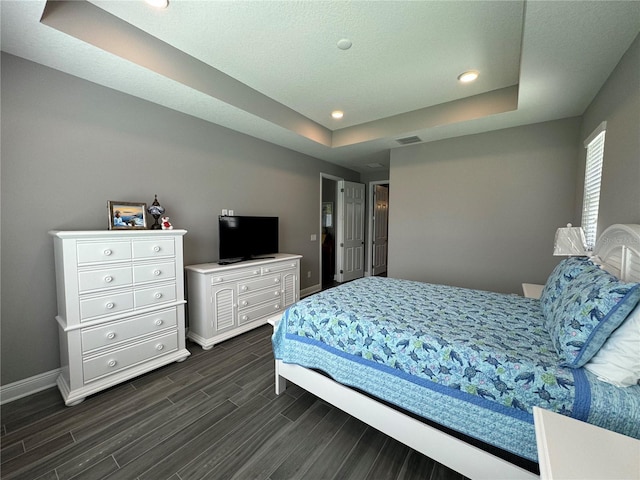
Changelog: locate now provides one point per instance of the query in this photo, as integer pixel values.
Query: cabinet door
(223, 298)
(289, 289)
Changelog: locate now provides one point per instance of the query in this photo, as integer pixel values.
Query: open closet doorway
(378, 227)
(342, 219)
(328, 217)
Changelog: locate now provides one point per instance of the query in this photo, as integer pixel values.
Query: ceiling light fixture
(158, 3)
(468, 76)
(337, 114)
(344, 44)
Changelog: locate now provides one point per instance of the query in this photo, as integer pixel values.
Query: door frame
(370, 206)
(336, 180)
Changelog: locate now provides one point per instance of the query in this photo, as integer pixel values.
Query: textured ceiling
(272, 69)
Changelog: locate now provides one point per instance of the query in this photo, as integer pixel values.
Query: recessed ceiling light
(337, 114)
(158, 3)
(468, 76)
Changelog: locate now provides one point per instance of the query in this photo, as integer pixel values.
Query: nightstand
(572, 449)
(532, 290)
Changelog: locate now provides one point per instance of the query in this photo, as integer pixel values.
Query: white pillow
(618, 360)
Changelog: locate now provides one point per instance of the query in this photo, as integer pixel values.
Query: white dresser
(120, 306)
(226, 300)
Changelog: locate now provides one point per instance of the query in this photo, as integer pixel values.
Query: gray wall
(481, 211)
(69, 146)
(618, 102)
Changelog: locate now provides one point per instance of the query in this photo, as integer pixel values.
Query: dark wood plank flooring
(213, 416)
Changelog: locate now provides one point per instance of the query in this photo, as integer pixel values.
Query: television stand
(226, 299)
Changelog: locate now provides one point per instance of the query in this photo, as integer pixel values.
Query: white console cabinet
(226, 300)
(120, 306)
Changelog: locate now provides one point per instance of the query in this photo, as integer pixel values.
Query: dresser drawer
(280, 267)
(145, 297)
(248, 316)
(108, 251)
(129, 356)
(258, 284)
(235, 275)
(249, 301)
(104, 278)
(117, 332)
(154, 272)
(105, 305)
(152, 248)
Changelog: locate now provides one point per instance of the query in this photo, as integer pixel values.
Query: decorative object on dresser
(127, 215)
(166, 224)
(227, 300)
(155, 210)
(120, 306)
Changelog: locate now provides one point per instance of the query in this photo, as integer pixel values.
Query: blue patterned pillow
(565, 272)
(587, 311)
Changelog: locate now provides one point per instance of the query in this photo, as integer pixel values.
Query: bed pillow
(565, 272)
(618, 361)
(587, 311)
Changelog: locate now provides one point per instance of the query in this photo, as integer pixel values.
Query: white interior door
(350, 231)
(380, 229)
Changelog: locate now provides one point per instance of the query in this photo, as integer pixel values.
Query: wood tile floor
(213, 416)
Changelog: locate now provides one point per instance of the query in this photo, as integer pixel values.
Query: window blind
(592, 181)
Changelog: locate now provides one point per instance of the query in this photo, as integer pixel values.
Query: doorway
(342, 242)
(378, 215)
(328, 205)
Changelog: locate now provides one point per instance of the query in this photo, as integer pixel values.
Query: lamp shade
(570, 241)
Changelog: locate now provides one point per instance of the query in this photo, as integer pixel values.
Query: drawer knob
(112, 363)
(159, 347)
(157, 272)
(111, 335)
(107, 252)
(245, 303)
(256, 272)
(267, 270)
(158, 295)
(218, 279)
(277, 280)
(244, 317)
(277, 306)
(277, 294)
(158, 322)
(156, 249)
(110, 305)
(244, 288)
(108, 279)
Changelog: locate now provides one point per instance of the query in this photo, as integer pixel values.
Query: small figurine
(166, 225)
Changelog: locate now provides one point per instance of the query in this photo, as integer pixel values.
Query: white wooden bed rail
(462, 457)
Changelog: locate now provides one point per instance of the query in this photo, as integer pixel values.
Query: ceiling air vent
(408, 140)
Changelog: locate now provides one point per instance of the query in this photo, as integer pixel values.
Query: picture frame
(127, 215)
(327, 214)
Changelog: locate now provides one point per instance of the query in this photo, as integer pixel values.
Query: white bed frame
(618, 248)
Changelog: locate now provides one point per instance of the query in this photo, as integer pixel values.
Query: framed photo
(127, 215)
(327, 214)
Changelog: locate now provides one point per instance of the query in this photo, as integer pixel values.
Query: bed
(455, 373)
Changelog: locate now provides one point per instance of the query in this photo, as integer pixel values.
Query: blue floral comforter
(415, 344)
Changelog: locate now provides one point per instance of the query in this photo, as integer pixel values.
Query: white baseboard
(28, 386)
(310, 290)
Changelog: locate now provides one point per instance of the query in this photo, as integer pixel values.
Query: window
(592, 179)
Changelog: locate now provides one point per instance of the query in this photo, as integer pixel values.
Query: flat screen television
(244, 238)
